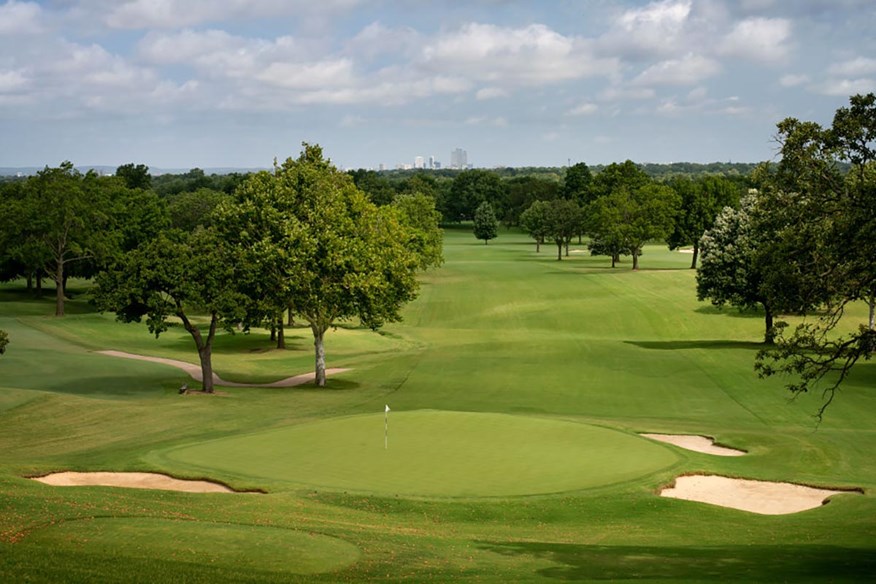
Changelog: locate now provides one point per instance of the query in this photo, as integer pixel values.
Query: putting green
(432, 454)
(213, 544)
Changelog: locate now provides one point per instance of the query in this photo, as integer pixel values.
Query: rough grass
(498, 330)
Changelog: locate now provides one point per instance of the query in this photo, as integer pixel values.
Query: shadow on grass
(729, 311)
(761, 563)
(695, 344)
(116, 387)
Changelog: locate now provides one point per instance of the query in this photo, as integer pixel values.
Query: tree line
(300, 240)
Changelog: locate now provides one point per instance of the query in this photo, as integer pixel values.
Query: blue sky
(207, 83)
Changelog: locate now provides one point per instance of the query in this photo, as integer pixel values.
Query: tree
(4, 340)
(378, 189)
(730, 271)
(832, 251)
(630, 217)
(189, 210)
(523, 191)
(417, 212)
(614, 177)
(485, 223)
(136, 176)
(21, 251)
(177, 274)
(701, 201)
(576, 184)
(563, 223)
(345, 257)
(535, 221)
(71, 219)
(471, 188)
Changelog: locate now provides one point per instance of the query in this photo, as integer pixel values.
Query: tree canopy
(177, 274)
(702, 199)
(349, 259)
(829, 253)
(417, 212)
(485, 223)
(633, 214)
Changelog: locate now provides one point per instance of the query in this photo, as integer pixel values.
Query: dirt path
(194, 371)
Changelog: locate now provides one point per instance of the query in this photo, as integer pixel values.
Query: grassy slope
(498, 329)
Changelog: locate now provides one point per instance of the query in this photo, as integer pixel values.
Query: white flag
(387, 409)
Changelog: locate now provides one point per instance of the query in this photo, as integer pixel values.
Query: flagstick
(386, 428)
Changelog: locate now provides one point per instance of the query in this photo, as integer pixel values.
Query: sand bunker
(696, 443)
(195, 371)
(762, 497)
(131, 480)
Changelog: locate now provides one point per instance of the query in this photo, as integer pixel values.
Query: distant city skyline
(237, 83)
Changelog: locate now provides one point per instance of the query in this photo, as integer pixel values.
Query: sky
(238, 83)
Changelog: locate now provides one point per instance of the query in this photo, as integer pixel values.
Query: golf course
(494, 435)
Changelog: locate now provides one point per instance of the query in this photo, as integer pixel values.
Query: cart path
(195, 371)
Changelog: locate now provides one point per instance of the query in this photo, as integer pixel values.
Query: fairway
(518, 386)
(434, 454)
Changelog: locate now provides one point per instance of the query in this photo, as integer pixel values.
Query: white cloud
(846, 87)
(584, 109)
(376, 39)
(656, 29)
(854, 68)
(490, 93)
(497, 122)
(20, 18)
(688, 70)
(793, 80)
(668, 16)
(146, 14)
(627, 93)
(317, 75)
(758, 39)
(12, 81)
(513, 56)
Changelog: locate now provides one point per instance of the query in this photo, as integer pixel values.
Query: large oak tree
(329, 253)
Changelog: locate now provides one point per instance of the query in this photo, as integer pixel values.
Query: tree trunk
(30, 282)
(537, 245)
(319, 350)
(59, 289)
(39, 283)
(486, 241)
(696, 254)
(559, 250)
(872, 304)
(567, 248)
(281, 335)
(273, 331)
(290, 322)
(769, 336)
(205, 353)
(635, 260)
(614, 259)
(205, 348)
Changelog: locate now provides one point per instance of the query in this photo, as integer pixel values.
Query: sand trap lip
(194, 371)
(764, 497)
(131, 480)
(696, 443)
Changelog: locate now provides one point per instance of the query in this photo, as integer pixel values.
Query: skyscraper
(458, 158)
